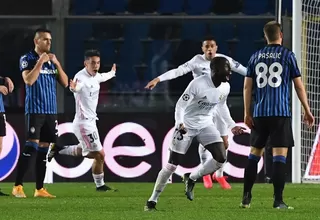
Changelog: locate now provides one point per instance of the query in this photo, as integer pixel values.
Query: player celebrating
(200, 65)
(40, 71)
(86, 87)
(271, 71)
(5, 88)
(193, 118)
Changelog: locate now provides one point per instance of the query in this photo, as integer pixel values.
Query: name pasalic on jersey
(269, 55)
(206, 105)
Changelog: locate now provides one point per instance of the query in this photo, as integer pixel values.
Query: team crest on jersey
(237, 64)
(185, 97)
(221, 97)
(24, 64)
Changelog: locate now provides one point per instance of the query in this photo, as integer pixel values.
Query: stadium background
(144, 38)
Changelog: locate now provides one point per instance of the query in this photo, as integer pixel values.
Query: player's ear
(203, 49)
(281, 35)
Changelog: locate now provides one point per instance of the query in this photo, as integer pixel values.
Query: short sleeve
(26, 63)
(294, 69)
(250, 68)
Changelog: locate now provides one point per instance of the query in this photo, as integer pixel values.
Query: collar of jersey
(273, 45)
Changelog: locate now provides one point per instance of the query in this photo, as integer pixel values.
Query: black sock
(24, 159)
(41, 166)
(279, 179)
(250, 173)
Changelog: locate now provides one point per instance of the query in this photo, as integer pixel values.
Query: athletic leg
(178, 149)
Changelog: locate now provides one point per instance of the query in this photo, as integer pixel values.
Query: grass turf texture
(81, 201)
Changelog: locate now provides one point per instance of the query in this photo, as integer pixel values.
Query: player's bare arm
(247, 96)
(29, 77)
(62, 76)
(302, 95)
(8, 83)
(4, 90)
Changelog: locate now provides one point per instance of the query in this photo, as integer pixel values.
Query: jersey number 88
(274, 80)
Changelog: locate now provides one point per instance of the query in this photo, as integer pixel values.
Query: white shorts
(220, 124)
(88, 136)
(208, 135)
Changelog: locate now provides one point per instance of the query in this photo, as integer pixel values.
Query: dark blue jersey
(1, 104)
(41, 97)
(272, 70)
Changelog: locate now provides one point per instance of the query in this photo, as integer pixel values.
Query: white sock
(204, 154)
(209, 167)
(70, 150)
(98, 179)
(162, 181)
(219, 172)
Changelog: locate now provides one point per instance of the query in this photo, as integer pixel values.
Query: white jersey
(199, 66)
(86, 93)
(197, 104)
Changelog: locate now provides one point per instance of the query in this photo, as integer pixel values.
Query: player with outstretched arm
(271, 71)
(193, 119)
(86, 87)
(200, 65)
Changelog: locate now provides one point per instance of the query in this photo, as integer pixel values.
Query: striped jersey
(41, 97)
(1, 104)
(272, 69)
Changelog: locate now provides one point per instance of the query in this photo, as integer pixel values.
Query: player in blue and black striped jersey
(40, 72)
(270, 73)
(6, 87)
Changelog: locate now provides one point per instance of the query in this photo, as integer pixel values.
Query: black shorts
(43, 127)
(2, 125)
(276, 130)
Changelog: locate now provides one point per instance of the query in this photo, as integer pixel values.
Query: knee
(99, 156)
(175, 158)
(217, 151)
(221, 158)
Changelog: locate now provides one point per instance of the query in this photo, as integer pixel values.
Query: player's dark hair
(272, 30)
(209, 38)
(220, 64)
(42, 30)
(91, 53)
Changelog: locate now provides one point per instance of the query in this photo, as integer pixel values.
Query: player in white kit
(85, 87)
(193, 119)
(200, 65)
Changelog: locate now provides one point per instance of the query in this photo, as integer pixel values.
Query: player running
(200, 65)
(40, 71)
(6, 87)
(193, 119)
(271, 71)
(85, 87)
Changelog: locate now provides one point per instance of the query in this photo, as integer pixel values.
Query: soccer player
(40, 72)
(193, 119)
(200, 65)
(270, 72)
(85, 87)
(6, 86)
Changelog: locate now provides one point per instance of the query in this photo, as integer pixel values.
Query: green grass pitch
(81, 201)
